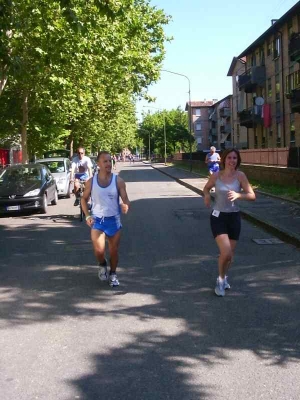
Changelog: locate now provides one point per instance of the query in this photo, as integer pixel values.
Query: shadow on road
(48, 273)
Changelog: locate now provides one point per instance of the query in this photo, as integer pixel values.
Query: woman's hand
(232, 195)
(207, 200)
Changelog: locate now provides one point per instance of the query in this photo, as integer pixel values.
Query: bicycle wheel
(81, 211)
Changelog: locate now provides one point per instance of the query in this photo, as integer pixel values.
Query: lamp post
(189, 110)
(165, 133)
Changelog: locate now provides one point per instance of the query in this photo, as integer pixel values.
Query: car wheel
(55, 200)
(45, 205)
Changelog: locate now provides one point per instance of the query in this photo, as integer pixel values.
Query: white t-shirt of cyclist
(82, 165)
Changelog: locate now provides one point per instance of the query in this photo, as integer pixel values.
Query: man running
(105, 188)
(82, 170)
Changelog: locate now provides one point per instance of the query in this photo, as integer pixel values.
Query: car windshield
(21, 174)
(54, 166)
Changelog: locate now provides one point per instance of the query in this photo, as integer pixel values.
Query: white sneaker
(113, 280)
(226, 283)
(220, 288)
(102, 273)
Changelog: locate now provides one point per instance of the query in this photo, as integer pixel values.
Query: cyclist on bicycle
(82, 170)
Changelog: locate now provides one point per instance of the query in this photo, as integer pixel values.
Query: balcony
(225, 112)
(249, 119)
(294, 47)
(225, 128)
(253, 77)
(294, 97)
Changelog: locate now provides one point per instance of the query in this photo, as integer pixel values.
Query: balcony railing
(294, 47)
(294, 96)
(253, 77)
(249, 119)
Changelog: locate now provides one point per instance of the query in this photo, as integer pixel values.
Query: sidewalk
(276, 215)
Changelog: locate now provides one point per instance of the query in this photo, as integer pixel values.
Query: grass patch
(289, 192)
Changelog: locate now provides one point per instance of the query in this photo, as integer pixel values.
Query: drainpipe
(283, 91)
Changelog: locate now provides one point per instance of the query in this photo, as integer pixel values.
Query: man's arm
(123, 194)
(84, 202)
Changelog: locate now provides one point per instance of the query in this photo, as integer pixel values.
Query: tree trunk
(3, 79)
(24, 128)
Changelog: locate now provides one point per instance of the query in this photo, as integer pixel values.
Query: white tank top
(105, 199)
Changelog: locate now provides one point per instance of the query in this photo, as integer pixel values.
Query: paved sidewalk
(278, 216)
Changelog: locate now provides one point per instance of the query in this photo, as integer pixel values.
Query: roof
(208, 103)
(273, 29)
(223, 100)
(233, 64)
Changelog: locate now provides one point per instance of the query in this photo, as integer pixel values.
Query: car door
(50, 185)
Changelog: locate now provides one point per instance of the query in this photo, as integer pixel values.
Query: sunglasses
(80, 153)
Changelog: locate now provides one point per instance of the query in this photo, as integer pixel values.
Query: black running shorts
(226, 223)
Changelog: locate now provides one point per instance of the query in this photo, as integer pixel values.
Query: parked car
(62, 153)
(27, 187)
(60, 168)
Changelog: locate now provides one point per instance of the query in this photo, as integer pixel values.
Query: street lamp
(189, 109)
(165, 133)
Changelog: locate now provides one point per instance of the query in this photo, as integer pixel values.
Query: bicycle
(80, 191)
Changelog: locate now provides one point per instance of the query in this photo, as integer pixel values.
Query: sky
(206, 37)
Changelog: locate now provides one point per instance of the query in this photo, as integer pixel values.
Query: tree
(73, 63)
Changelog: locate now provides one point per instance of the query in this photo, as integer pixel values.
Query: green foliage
(82, 64)
(170, 124)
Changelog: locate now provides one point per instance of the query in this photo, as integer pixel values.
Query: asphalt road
(162, 334)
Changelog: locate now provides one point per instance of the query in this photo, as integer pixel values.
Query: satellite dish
(259, 101)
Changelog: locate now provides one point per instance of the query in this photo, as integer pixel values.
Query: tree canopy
(170, 126)
(71, 70)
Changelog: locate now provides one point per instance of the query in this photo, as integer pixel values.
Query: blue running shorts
(214, 168)
(82, 176)
(109, 225)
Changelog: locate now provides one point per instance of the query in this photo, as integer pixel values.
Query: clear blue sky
(207, 35)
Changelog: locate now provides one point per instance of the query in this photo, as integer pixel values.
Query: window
(269, 48)
(198, 112)
(277, 87)
(261, 56)
(199, 140)
(269, 87)
(253, 60)
(238, 133)
(198, 127)
(276, 47)
(290, 28)
(292, 130)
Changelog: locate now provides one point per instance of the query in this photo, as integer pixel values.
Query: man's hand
(124, 208)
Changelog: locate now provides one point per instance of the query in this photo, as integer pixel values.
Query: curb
(281, 233)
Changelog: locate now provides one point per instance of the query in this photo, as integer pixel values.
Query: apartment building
(220, 128)
(239, 133)
(266, 87)
(199, 112)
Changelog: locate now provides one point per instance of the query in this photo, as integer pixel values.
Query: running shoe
(77, 202)
(220, 288)
(102, 273)
(226, 283)
(113, 280)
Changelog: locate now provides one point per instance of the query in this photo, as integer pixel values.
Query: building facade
(199, 112)
(266, 87)
(220, 132)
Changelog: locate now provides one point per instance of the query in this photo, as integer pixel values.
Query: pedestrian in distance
(105, 189)
(230, 185)
(212, 160)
